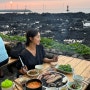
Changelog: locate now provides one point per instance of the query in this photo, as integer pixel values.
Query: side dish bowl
(74, 86)
(78, 79)
(33, 73)
(39, 67)
(33, 84)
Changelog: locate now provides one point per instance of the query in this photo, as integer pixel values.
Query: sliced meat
(39, 77)
(46, 77)
(54, 79)
(51, 76)
(46, 73)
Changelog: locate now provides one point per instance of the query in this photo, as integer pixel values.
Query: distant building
(16, 11)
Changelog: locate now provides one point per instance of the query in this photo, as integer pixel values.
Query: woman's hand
(24, 70)
(55, 59)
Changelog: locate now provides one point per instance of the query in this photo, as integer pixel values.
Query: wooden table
(81, 67)
(10, 61)
(6, 42)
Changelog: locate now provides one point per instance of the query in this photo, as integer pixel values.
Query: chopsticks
(86, 81)
(18, 85)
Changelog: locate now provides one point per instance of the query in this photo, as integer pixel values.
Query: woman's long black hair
(30, 33)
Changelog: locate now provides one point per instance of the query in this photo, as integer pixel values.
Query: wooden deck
(81, 67)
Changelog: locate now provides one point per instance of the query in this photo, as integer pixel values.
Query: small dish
(33, 73)
(39, 67)
(78, 78)
(74, 86)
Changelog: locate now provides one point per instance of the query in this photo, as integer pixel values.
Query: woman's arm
(54, 59)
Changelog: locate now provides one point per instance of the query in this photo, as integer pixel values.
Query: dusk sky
(52, 6)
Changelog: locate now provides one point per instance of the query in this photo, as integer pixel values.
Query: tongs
(21, 61)
(23, 65)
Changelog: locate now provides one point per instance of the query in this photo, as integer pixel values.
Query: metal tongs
(23, 65)
(21, 61)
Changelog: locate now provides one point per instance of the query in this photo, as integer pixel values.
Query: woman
(34, 53)
(3, 56)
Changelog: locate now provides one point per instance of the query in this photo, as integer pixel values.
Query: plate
(65, 72)
(58, 83)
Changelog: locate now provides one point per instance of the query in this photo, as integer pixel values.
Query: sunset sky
(52, 6)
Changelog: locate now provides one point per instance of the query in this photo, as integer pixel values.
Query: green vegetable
(66, 68)
(6, 84)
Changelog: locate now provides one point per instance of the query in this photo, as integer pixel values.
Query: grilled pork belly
(51, 80)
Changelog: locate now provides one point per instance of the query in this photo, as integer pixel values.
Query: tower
(67, 9)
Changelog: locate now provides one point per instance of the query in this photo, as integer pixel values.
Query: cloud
(2, 1)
